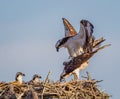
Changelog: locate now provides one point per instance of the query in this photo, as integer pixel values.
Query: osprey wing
(88, 26)
(82, 31)
(69, 30)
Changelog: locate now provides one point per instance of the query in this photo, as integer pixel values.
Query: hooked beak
(40, 77)
(57, 49)
(23, 74)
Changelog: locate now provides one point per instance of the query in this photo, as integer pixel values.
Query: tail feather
(97, 42)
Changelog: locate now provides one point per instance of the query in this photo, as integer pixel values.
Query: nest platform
(80, 89)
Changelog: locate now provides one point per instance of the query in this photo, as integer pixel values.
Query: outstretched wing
(82, 31)
(88, 26)
(89, 37)
(69, 30)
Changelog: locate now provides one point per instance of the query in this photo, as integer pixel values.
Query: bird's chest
(19, 79)
(36, 81)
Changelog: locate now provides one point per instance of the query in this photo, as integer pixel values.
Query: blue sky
(29, 30)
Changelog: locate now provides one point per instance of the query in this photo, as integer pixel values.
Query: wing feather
(88, 26)
(69, 30)
(82, 30)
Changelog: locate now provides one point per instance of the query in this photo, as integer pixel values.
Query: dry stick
(45, 84)
(6, 88)
(93, 92)
(35, 96)
(88, 76)
(58, 93)
(2, 93)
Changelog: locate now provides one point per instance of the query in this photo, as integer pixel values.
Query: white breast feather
(19, 78)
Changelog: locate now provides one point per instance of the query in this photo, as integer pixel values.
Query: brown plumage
(69, 30)
(18, 79)
(77, 62)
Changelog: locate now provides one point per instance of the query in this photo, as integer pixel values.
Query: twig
(45, 84)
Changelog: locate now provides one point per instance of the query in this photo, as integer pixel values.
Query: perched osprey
(35, 80)
(18, 79)
(73, 41)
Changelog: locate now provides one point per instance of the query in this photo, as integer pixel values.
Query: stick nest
(82, 89)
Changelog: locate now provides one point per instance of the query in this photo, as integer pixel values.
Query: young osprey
(75, 42)
(35, 80)
(18, 79)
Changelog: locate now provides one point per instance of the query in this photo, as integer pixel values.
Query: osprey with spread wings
(76, 43)
(81, 47)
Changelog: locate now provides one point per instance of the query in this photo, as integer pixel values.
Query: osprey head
(36, 76)
(19, 76)
(61, 43)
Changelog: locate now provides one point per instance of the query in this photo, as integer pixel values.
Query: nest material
(82, 89)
